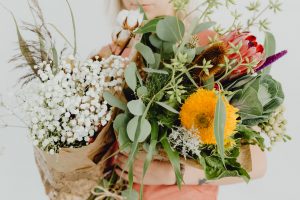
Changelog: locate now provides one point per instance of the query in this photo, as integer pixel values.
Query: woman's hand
(158, 173)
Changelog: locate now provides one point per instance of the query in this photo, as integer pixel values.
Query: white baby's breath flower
(66, 108)
(185, 141)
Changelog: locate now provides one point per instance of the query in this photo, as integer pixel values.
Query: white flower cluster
(68, 108)
(185, 141)
(275, 127)
(127, 22)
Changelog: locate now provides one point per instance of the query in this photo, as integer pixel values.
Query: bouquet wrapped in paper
(197, 96)
(68, 119)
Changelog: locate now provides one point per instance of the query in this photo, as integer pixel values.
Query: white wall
(19, 178)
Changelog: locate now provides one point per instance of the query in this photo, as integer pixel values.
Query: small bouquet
(197, 96)
(68, 119)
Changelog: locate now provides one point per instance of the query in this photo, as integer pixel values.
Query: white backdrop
(19, 177)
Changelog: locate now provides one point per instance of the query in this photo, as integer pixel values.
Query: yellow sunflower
(198, 112)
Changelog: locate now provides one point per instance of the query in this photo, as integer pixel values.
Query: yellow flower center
(198, 112)
(203, 121)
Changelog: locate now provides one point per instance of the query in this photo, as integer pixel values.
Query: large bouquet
(68, 119)
(185, 93)
(197, 96)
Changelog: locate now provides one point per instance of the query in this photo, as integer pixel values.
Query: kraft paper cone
(71, 174)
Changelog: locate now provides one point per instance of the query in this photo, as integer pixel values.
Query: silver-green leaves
(130, 76)
(114, 101)
(138, 126)
(270, 48)
(219, 125)
(170, 29)
(136, 107)
(146, 53)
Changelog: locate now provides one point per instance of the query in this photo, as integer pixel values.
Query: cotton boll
(122, 16)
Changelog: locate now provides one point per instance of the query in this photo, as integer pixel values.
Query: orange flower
(198, 112)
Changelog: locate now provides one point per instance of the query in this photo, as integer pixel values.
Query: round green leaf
(146, 52)
(136, 107)
(120, 125)
(140, 127)
(114, 101)
(155, 41)
(170, 29)
(130, 76)
(142, 91)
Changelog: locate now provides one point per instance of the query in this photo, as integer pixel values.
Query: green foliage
(149, 27)
(270, 48)
(249, 136)
(120, 125)
(151, 151)
(138, 127)
(214, 168)
(166, 106)
(130, 76)
(130, 194)
(170, 29)
(154, 83)
(136, 107)
(257, 99)
(146, 53)
(174, 159)
(219, 125)
(114, 101)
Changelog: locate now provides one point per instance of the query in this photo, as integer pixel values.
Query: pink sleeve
(205, 192)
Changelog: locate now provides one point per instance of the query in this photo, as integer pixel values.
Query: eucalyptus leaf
(219, 125)
(149, 27)
(169, 108)
(146, 53)
(151, 151)
(155, 41)
(210, 83)
(157, 71)
(114, 101)
(133, 129)
(270, 48)
(170, 29)
(130, 76)
(120, 125)
(191, 53)
(167, 47)
(174, 159)
(157, 61)
(270, 44)
(136, 107)
(130, 194)
(142, 91)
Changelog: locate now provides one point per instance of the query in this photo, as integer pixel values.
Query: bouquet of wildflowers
(66, 113)
(198, 95)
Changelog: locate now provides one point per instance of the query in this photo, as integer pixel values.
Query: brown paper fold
(71, 174)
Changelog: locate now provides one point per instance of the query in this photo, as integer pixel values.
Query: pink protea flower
(251, 51)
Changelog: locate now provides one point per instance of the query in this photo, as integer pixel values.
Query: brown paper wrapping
(71, 174)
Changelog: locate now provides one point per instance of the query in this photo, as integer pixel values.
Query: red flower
(251, 50)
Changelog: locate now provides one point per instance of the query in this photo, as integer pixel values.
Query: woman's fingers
(124, 175)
